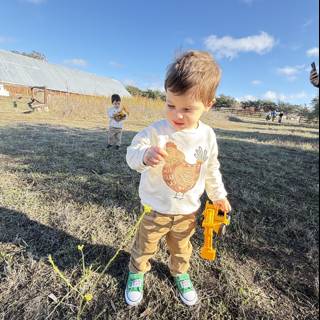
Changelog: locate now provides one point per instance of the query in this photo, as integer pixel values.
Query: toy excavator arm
(208, 252)
(214, 222)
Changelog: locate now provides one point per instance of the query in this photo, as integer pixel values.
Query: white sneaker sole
(188, 302)
(130, 302)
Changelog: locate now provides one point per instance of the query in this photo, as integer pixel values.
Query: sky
(264, 47)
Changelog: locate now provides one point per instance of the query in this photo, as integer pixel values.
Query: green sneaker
(134, 288)
(187, 293)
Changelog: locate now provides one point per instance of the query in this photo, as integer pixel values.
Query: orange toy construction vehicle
(214, 222)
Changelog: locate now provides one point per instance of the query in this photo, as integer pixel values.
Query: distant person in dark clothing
(314, 77)
(280, 117)
(268, 117)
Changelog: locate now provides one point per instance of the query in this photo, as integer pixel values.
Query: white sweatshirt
(113, 123)
(177, 183)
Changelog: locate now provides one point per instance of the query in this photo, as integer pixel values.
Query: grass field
(60, 187)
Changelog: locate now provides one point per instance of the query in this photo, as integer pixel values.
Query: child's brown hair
(115, 97)
(197, 70)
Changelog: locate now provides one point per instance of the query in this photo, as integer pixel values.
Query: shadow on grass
(41, 241)
(292, 130)
(273, 189)
(75, 161)
(269, 137)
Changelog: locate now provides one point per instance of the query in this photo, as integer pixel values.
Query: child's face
(184, 111)
(116, 104)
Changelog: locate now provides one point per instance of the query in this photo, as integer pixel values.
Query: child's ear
(211, 103)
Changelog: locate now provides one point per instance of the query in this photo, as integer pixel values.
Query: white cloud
(271, 95)
(189, 40)
(115, 64)
(5, 39)
(145, 85)
(295, 47)
(313, 52)
(307, 23)
(230, 47)
(256, 82)
(34, 1)
(247, 1)
(277, 96)
(76, 62)
(153, 86)
(247, 97)
(129, 82)
(290, 73)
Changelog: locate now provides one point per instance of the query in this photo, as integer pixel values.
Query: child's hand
(153, 156)
(223, 205)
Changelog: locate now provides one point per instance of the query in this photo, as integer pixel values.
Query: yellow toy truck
(215, 222)
(121, 114)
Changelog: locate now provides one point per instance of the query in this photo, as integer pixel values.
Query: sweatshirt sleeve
(135, 152)
(110, 112)
(214, 185)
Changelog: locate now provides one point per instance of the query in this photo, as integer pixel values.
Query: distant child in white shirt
(178, 160)
(116, 119)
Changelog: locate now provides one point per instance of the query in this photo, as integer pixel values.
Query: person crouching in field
(178, 160)
(116, 119)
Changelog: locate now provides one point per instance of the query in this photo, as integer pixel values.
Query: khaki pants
(178, 230)
(114, 136)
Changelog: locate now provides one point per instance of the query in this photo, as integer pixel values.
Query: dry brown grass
(60, 187)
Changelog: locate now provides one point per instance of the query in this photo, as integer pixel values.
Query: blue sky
(264, 47)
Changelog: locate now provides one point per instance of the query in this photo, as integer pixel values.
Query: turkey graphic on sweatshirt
(179, 175)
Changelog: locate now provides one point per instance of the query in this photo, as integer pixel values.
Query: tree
(289, 108)
(32, 54)
(225, 102)
(268, 105)
(160, 95)
(259, 105)
(134, 91)
(304, 112)
(150, 94)
(250, 104)
(315, 108)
